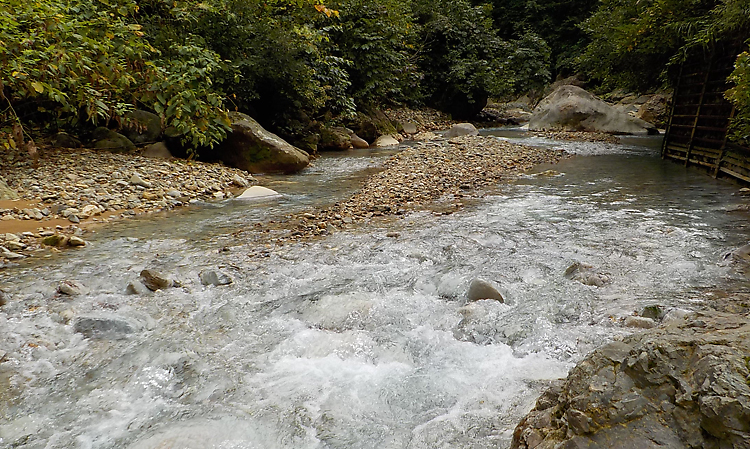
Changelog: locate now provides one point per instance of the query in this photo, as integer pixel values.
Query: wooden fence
(697, 131)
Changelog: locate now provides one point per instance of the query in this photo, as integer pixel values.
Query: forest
(294, 64)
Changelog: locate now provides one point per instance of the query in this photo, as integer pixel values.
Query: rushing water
(359, 340)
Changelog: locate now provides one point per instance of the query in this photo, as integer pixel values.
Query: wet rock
(154, 280)
(585, 274)
(251, 148)
(213, 277)
(76, 241)
(462, 129)
(481, 289)
(639, 322)
(655, 312)
(105, 327)
(71, 288)
(334, 139)
(685, 385)
(385, 141)
(52, 240)
(10, 255)
(3, 298)
(255, 192)
(157, 150)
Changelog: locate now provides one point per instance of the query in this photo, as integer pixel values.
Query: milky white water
(358, 340)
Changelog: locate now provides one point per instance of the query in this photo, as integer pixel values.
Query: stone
(10, 255)
(15, 246)
(73, 218)
(251, 148)
(6, 193)
(136, 288)
(462, 129)
(52, 240)
(90, 210)
(141, 127)
(585, 274)
(136, 180)
(358, 142)
(10, 237)
(157, 150)
(239, 181)
(334, 139)
(213, 277)
(655, 110)
(76, 241)
(3, 301)
(570, 108)
(104, 327)
(256, 192)
(385, 141)
(373, 124)
(674, 387)
(409, 127)
(154, 280)
(480, 289)
(71, 288)
(639, 322)
(106, 139)
(655, 312)
(64, 140)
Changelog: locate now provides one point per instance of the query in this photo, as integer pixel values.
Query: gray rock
(334, 139)
(157, 150)
(462, 129)
(6, 193)
(409, 127)
(141, 127)
(73, 218)
(213, 277)
(154, 280)
(105, 327)
(15, 246)
(251, 148)
(10, 255)
(239, 181)
(585, 274)
(136, 180)
(681, 386)
(71, 288)
(385, 141)
(570, 108)
(136, 288)
(106, 139)
(76, 241)
(65, 140)
(358, 142)
(639, 322)
(480, 289)
(655, 312)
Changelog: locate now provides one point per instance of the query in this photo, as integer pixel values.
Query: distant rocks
(141, 127)
(462, 129)
(570, 108)
(678, 386)
(157, 150)
(106, 139)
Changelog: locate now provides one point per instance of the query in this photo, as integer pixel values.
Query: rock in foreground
(570, 108)
(251, 148)
(686, 385)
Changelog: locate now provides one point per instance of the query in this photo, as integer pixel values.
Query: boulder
(462, 129)
(154, 280)
(6, 193)
(257, 192)
(214, 277)
(655, 110)
(157, 150)
(251, 148)
(64, 140)
(680, 386)
(71, 288)
(385, 141)
(358, 142)
(106, 139)
(141, 127)
(409, 127)
(570, 108)
(136, 180)
(334, 139)
(372, 125)
(481, 289)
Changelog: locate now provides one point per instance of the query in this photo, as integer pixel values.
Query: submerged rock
(105, 327)
(481, 289)
(679, 386)
(213, 277)
(585, 274)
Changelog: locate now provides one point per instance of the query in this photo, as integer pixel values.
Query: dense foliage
(296, 63)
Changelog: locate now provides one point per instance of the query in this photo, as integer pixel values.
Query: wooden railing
(697, 133)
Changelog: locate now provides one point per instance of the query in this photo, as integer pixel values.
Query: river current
(363, 339)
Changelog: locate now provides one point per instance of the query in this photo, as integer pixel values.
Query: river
(362, 339)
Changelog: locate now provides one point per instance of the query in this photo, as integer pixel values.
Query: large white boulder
(570, 108)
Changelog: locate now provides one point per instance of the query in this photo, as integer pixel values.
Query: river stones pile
(437, 175)
(77, 184)
(578, 136)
